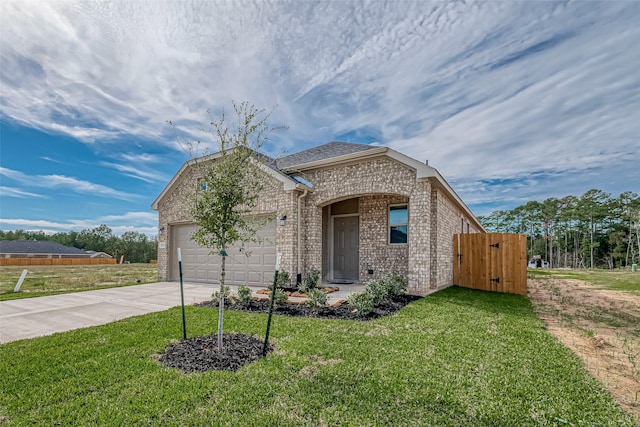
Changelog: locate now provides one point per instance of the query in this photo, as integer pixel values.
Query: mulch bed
(200, 354)
(344, 311)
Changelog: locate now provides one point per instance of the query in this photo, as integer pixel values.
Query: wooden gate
(491, 262)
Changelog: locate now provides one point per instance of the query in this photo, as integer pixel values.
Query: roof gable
(266, 163)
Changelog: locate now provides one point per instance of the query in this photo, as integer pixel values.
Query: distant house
(94, 254)
(352, 212)
(44, 249)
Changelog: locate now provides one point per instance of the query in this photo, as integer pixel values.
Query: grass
(573, 311)
(456, 358)
(57, 279)
(607, 314)
(615, 280)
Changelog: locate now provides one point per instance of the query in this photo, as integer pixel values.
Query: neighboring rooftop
(37, 247)
(322, 152)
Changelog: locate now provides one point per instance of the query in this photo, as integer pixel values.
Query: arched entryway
(356, 242)
(341, 241)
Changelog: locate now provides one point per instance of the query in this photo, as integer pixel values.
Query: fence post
(22, 276)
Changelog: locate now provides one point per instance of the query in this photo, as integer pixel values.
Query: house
(43, 249)
(351, 211)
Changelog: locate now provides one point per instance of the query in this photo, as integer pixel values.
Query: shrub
(363, 303)
(398, 283)
(244, 294)
(387, 287)
(317, 298)
(283, 281)
(279, 297)
(378, 290)
(310, 281)
(229, 298)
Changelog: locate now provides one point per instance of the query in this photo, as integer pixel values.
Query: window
(398, 224)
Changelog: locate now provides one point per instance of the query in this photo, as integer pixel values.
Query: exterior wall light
(283, 220)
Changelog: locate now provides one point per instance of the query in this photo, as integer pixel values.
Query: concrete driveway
(33, 317)
(39, 316)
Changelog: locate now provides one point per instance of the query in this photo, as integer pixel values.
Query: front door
(345, 247)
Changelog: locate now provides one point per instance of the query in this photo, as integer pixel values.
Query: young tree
(230, 183)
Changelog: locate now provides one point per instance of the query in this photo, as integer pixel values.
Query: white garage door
(254, 265)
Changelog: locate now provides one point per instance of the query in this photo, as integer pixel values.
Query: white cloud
(137, 172)
(484, 90)
(140, 157)
(142, 222)
(141, 218)
(16, 192)
(49, 159)
(65, 183)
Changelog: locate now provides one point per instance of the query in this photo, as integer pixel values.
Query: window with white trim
(398, 224)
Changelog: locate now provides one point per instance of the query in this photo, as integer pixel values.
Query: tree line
(135, 247)
(593, 230)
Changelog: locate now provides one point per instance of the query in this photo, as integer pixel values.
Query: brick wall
(419, 238)
(378, 182)
(174, 209)
(375, 249)
(450, 220)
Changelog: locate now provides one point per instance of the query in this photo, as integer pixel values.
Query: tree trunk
(566, 249)
(638, 237)
(551, 263)
(221, 302)
(591, 248)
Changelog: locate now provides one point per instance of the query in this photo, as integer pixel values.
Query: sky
(510, 101)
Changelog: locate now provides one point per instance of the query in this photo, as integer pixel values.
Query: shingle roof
(322, 152)
(37, 247)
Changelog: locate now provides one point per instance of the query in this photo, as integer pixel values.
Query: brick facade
(173, 209)
(375, 184)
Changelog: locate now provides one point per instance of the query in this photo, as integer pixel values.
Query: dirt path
(602, 327)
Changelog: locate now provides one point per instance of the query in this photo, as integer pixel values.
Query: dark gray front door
(345, 247)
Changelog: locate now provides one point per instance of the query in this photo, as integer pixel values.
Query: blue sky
(510, 101)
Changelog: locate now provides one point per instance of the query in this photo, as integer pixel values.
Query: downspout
(299, 275)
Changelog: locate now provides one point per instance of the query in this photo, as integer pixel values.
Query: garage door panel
(255, 260)
(254, 265)
(238, 276)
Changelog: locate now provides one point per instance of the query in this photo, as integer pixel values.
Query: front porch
(363, 238)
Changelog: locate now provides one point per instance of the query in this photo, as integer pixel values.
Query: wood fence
(56, 261)
(491, 262)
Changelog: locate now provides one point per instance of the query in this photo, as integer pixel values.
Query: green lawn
(615, 280)
(456, 358)
(44, 280)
